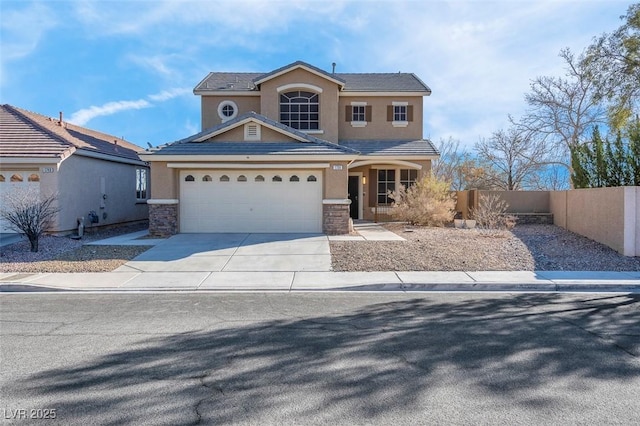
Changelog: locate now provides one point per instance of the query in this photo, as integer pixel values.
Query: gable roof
(295, 65)
(247, 82)
(26, 134)
(197, 144)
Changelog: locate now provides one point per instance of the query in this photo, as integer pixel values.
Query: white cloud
(83, 116)
(165, 95)
(23, 29)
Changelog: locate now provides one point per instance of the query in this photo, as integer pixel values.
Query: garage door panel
(251, 206)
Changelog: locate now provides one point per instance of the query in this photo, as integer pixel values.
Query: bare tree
(29, 213)
(562, 111)
(459, 167)
(513, 157)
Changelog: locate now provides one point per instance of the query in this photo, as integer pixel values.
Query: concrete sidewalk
(512, 281)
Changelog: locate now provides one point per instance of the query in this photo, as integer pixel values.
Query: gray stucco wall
(82, 181)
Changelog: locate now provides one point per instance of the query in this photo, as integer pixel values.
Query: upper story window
(358, 114)
(400, 114)
(300, 109)
(227, 110)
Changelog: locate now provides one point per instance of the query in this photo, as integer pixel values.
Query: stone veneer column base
(163, 218)
(335, 216)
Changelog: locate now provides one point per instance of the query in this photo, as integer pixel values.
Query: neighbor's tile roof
(353, 82)
(28, 134)
(420, 147)
(308, 145)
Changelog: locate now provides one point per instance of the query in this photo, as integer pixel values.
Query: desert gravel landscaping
(526, 248)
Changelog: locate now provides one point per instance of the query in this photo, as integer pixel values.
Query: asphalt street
(333, 358)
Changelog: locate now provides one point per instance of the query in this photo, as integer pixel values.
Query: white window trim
(403, 123)
(145, 172)
(223, 117)
(307, 86)
(358, 123)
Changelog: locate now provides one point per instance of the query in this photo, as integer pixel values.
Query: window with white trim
(141, 184)
(227, 110)
(399, 113)
(300, 109)
(386, 184)
(357, 113)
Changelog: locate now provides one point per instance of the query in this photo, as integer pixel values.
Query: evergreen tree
(580, 164)
(600, 173)
(634, 153)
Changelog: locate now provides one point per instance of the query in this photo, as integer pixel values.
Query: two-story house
(297, 149)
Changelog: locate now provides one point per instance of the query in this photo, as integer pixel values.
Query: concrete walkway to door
(235, 253)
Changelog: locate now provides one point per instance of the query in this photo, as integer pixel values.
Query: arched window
(34, 178)
(300, 110)
(189, 178)
(312, 178)
(294, 178)
(276, 178)
(1, 178)
(206, 178)
(259, 178)
(16, 178)
(242, 178)
(224, 178)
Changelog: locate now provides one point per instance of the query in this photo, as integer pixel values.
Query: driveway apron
(236, 252)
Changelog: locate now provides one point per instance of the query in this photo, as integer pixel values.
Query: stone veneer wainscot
(335, 216)
(163, 217)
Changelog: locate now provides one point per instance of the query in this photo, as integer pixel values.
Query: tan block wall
(209, 107)
(610, 216)
(270, 99)
(523, 201)
(165, 181)
(379, 127)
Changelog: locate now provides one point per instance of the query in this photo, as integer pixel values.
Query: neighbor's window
(141, 184)
(386, 183)
(300, 109)
(408, 177)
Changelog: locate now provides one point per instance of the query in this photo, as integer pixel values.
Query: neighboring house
(88, 170)
(297, 149)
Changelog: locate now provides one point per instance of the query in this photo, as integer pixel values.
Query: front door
(354, 190)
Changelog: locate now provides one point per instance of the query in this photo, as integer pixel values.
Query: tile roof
(295, 65)
(28, 134)
(195, 145)
(353, 82)
(420, 147)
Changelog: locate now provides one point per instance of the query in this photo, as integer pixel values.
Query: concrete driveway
(235, 253)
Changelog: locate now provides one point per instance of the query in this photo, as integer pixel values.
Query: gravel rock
(527, 247)
(63, 254)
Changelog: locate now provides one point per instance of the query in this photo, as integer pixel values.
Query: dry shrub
(491, 216)
(428, 202)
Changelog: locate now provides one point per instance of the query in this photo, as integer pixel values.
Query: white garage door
(251, 201)
(16, 184)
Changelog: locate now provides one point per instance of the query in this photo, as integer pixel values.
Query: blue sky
(129, 67)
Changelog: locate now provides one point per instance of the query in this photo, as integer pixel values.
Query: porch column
(335, 216)
(163, 217)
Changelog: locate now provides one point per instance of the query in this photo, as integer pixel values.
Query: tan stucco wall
(523, 201)
(266, 135)
(336, 181)
(270, 99)
(558, 206)
(209, 107)
(164, 181)
(379, 127)
(80, 191)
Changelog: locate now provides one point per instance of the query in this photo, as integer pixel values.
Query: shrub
(491, 215)
(29, 213)
(427, 202)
